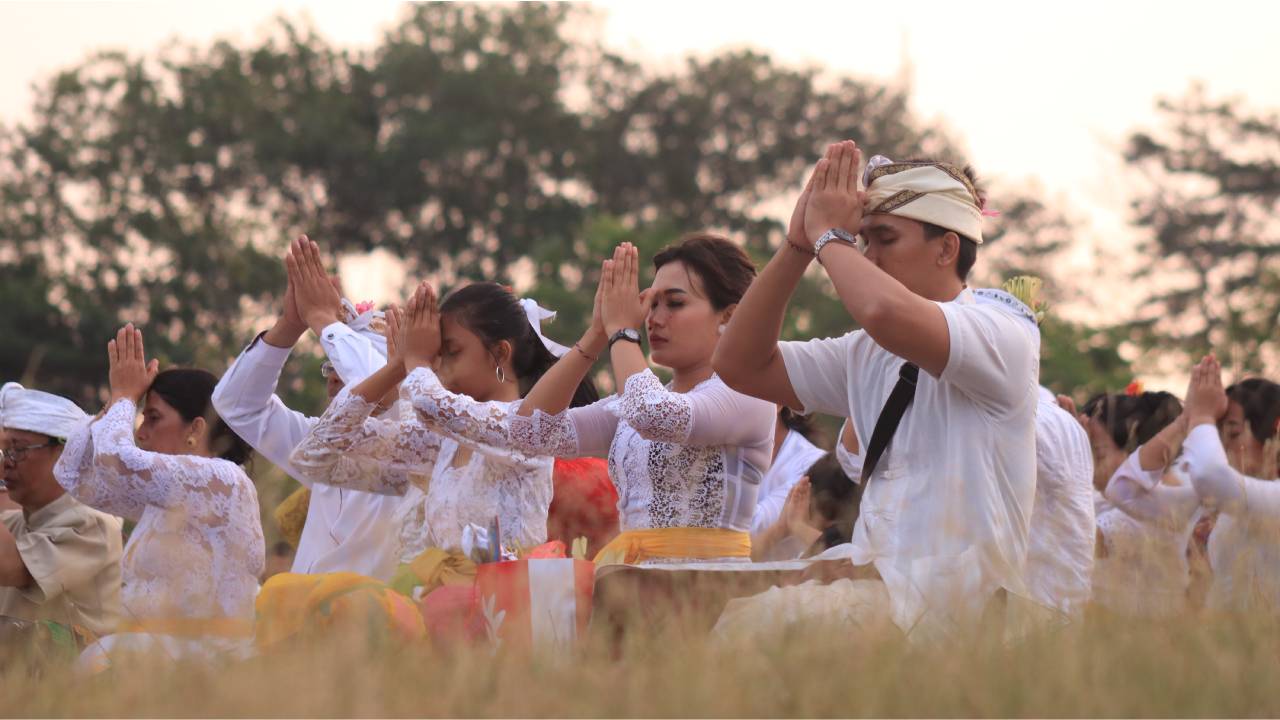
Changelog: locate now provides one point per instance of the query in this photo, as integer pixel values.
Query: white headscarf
(366, 321)
(38, 412)
(937, 193)
(536, 314)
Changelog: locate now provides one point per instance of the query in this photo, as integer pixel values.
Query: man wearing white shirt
(1063, 526)
(946, 508)
(345, 530)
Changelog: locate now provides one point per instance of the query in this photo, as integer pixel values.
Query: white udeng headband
(537, 314)
(935, 193)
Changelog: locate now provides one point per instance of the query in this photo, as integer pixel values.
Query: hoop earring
(502, 376)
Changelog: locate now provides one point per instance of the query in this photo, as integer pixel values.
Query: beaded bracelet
(802, 251)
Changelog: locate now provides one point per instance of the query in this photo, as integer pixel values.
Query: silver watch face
(631, 334)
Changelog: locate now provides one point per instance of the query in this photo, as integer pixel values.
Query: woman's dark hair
(1260, 400)
(494, 314)
(802, 424)
(1132, 420)
(833, 500)
(189, 392)
(724, 269)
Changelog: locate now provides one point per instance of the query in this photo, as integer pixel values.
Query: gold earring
(191, 441)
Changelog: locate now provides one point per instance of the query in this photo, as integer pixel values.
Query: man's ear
(949, 249)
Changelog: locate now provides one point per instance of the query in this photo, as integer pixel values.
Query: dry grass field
(1194, 667)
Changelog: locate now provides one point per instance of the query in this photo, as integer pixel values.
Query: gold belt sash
(635, 546)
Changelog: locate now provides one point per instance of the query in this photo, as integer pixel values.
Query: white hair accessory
(368, 322)
(537, 314)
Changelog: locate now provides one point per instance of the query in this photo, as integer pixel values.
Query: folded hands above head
(418, 326)
(316, 296)
(831, 198)
(130, 373)
(1206, 400)
(621, 304)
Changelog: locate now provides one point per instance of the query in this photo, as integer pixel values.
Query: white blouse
(691, 459)
(197, 550)
(410, 452)
(1244, 548)
(1145, 530)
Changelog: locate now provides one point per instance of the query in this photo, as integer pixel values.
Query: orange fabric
(635, 546)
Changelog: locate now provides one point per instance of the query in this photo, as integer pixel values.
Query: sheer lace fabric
(197, 550)
(690, 459)
(412, 451)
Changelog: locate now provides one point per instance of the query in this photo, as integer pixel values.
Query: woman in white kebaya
(192, 563)
(1230, 455)
(1149, 509)
(461, 369)
(687, 456)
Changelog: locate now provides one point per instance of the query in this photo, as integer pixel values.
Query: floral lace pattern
(691, 459)
(413, 455)
(197, 550)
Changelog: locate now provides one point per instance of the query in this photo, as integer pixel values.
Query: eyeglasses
(14, 455)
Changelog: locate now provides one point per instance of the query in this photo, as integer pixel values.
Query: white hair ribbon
(537, 314)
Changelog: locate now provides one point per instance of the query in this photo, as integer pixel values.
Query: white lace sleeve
(711, 414)
(577, 432)
(126, 479)
(482, 426)
(75, 473)
(349, 449)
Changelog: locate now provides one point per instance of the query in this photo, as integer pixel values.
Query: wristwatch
(628, 334)
(837, 235)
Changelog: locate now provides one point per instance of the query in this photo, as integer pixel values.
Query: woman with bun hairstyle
(191, 566)
(1148, 510)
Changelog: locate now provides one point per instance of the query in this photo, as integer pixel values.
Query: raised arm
(123, 479)
(482, 426)
(245, 399)
(1204, 458)
(554, 391)
(1143, 495)
(712, 414)
(349, 449)
(747, 356)
(899, 320)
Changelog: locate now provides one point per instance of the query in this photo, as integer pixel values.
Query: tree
(476, 141)
(1213, 239)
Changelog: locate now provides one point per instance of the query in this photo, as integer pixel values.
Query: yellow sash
(635, 546)
(291, 515)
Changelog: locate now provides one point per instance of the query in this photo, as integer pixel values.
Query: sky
(1038, 93)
